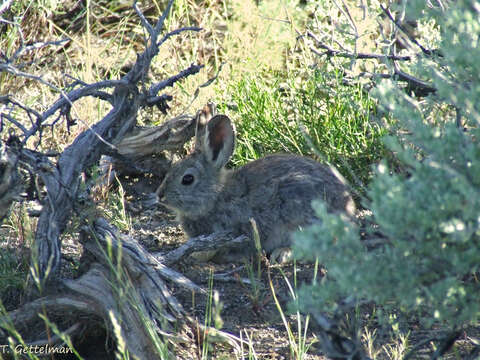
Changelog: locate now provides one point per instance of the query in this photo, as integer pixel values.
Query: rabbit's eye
(187, 179)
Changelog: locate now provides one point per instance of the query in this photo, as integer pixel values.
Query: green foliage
(429, 216)
(306, 111)
(10, 274)
(16, 237)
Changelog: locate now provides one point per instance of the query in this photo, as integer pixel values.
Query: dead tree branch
(332, 52)
(137, 260)
(123, 282)
(412, 39)
(152, 98)
(213, 241)
(63, 183)
(414, 85)
(62, 179)
(171, 136)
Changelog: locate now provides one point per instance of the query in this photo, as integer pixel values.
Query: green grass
(12, 274)
(298, 341)
(311, 114)
(116, 211)
(16, 237)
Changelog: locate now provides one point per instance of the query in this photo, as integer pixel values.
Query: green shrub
(304, 112)
(429, 217)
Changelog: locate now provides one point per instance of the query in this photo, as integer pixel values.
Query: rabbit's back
(294, 177)
(279, 190)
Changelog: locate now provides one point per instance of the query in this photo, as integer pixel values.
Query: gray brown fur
(276, 190)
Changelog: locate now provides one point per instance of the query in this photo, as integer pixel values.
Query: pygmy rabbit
(276, 190)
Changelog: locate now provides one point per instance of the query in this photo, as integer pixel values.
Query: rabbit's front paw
(203, 256)
(281, 256)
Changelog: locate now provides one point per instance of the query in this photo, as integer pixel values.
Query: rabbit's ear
(219, 140)
(202, 118)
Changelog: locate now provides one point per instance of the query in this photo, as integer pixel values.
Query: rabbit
(276, 191)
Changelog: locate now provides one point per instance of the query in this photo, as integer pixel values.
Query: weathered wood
(94, 299)
(62, 181)
(139, 263)
(125, 287)
(150, 150)
(171, 136)
(203, 243)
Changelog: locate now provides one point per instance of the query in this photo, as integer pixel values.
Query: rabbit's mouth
(174, 205)
(162, 200)
(160, 194)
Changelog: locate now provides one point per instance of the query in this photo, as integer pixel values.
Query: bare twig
(346, 12)
(8, 64)
(400, 26)
(161, 20)
(205, 84)
(152, 92)
(65, 101)
(213, 241)
(9, 68)
(144, 21)
(176, 32)
(87, 90)
(13, 121)
(332, 52)
(64, 104)
(417, 86)
(35, 46)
